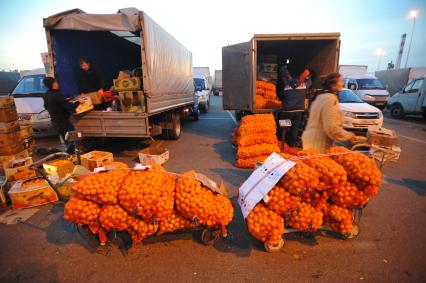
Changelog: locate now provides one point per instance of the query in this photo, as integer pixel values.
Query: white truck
(203, 87)
(345, 70)
(126, 40)
(368, 88)
(217, 88)
(410, 100)
(396, 79)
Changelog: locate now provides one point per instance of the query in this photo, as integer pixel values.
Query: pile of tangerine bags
(266, 96)
(256, 139)
(145, 202)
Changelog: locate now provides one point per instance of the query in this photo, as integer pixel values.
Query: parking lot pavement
(390, 248)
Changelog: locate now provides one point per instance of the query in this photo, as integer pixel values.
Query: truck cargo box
(319, 51)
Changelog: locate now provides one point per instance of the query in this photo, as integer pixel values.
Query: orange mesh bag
(149, 193)
(305, 218)
(281, 201)
(330, 172)
(256, 150)
(348, 196)
(339, 219)
(173, 223)
(259, 138)
(140, 230)
(250, 162)
(300, 179)
(361, 170)
(114, 217)
(195, 202)
(265, 225)
(101, 187)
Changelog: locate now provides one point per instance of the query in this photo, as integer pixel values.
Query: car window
(408, 87)
(348, 96)
(30, 86)
(417, 84)
(369, 84)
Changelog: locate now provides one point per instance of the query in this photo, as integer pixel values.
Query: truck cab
(409, 100)
(202, 93)
(368, 88)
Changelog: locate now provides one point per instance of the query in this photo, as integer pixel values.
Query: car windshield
(199, 83)
(31, 86)
(369, 84)
(348, 96)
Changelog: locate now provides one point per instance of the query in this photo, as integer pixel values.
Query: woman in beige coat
(325, 123)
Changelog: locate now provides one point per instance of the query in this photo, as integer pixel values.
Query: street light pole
(380, 52)
(413, 15)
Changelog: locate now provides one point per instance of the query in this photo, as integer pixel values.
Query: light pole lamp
(413, 15)
(380, 52)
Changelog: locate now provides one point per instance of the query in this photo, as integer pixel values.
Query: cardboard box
(385, 154)
(94, 159)
(95, 97)
(18, 169)
(126, 84)
(31, 192)
(85, 104)
(154, 154)
(132, 101)
(10, 158)
(381, 136)
(60, 168)
(124, 75)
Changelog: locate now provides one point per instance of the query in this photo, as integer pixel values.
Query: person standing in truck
(90, 78)
(325, 122)
(58, 107)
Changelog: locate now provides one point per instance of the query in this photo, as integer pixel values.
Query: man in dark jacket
(90, 78)
(59, 109)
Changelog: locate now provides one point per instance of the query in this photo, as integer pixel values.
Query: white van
(358, 115)
(410, 100)
(368, 88)
(28, 96)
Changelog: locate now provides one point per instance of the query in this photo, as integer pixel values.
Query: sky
(204, 27)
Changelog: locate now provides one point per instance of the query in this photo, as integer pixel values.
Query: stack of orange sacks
(256, 139)
(266, 96)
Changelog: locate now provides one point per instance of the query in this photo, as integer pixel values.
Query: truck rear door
(237, 74)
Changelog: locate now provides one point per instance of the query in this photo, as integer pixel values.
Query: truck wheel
(175, 132)
(397, 111)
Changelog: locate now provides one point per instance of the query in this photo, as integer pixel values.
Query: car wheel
(397, 111)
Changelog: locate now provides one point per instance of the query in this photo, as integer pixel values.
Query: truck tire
(175, 132)
(397, 111)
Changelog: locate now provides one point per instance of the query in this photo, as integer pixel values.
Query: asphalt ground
(390, 248)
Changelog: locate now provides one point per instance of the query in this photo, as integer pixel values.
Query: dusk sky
(204, 27)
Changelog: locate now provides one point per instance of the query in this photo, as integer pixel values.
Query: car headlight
(43, 115)
(348, 114)
(368, 97)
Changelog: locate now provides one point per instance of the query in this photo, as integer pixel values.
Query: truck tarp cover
(168, 63)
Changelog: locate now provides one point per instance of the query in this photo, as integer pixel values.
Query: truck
(128, 39)
(353, 69)
(217, 88)
(411, 99)
(317, 51)
(203, 87)
(396, 79)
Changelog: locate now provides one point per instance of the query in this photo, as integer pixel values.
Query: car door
(411, 95)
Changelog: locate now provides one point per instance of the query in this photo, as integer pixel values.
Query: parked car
(358, 115)
(368, 88)
(410, 100)
(28, 96)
